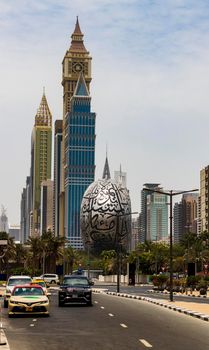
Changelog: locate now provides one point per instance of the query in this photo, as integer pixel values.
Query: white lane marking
(96, 302)
(123, 325)
(102, 307)
(111, 315)
(34, 320)
(4, 341)
(31, 325)
(145, 343)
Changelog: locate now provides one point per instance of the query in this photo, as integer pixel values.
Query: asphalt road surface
(144, 291)
(111, 323)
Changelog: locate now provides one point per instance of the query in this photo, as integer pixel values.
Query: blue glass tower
(79, 158)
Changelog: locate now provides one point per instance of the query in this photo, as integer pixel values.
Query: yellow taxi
(41, 283)
(28, 299)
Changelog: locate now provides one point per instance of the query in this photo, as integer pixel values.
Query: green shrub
(202, 284)
(192, 281)
(159, 280)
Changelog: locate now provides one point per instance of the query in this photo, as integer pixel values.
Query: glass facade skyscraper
(80, 159)
(77, 60)
(157, 217)
(154, 214)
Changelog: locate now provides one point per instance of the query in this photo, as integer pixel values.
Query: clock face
(77, 67)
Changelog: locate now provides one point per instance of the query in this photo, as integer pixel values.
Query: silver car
(11, 283)
(50, 278)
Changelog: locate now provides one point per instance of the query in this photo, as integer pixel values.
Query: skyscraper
(46, 206)
(157, 217)
(4, 226)
(134, 233)
(120, 177)
(154, 214)
(177, 222)
(40, 158)
(23, 216)
(204, 209)
(185, 216)
(57, 177)
(80, 158)
(143, 215)
(14, 232)
(77, 60)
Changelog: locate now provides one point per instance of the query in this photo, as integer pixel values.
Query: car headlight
(44, 302)
(14, 302)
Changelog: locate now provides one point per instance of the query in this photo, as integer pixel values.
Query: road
(144, 291)
(112, 323)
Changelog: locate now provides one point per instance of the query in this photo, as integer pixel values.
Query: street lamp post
(118, 257)
(170, 194)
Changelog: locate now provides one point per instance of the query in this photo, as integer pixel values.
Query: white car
(11, 283)
(50, 278)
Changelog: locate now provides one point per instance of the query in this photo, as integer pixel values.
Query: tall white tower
(4, 227)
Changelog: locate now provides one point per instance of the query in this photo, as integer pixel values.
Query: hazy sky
(150, 86)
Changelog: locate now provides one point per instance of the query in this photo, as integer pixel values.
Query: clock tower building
(76, 60)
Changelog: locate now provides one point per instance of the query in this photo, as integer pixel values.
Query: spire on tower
(77, 39)
(77, 29)
(106, 171)
(43, 116)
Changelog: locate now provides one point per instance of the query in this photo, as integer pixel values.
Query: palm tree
(109, 258)
(35, 250)
(21, 254)
(52, 247)
(8, 254)
(71, 257)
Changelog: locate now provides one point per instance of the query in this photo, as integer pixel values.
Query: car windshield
(42, 284)
(76, 281)
(15, 282)
(28, 291)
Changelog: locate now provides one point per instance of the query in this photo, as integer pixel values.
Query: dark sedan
(75, 289)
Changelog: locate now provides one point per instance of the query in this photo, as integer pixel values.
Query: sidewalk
(190, 308)
(195, 307)
(197, 310)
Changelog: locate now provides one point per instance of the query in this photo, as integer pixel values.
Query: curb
(199, 315)
(104, 290)
(176, 293)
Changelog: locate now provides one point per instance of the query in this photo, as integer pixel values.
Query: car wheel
(10, 316)
(5, 303)
(53, 282)
(89, 303)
